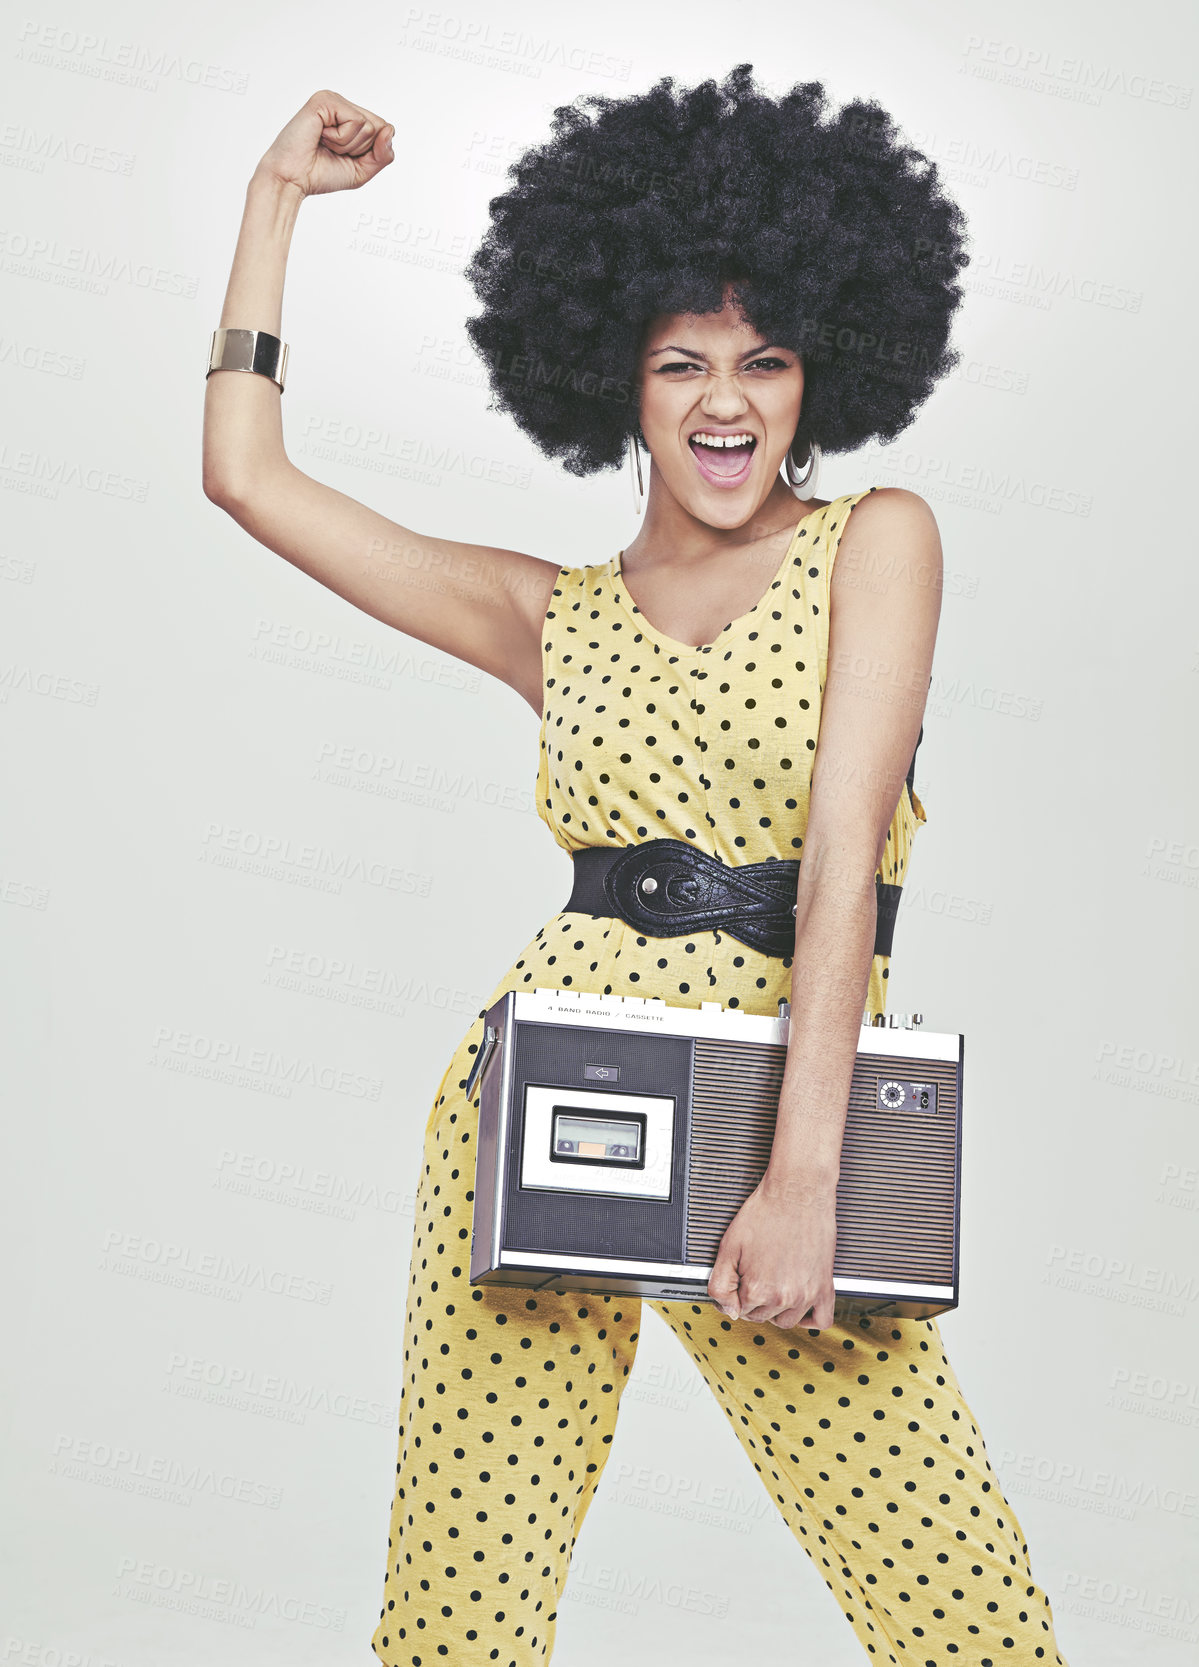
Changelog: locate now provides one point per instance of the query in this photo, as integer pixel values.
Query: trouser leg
(862, 1436)
(508, 1406)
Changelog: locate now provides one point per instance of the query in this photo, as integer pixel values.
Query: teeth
(721, 440)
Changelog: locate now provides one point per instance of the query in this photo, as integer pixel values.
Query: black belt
(666, 888)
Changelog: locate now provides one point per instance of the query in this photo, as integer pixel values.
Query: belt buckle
(646, 880)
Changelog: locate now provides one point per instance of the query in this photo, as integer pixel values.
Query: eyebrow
(750, 352)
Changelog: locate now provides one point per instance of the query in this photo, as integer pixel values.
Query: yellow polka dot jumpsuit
(859, 1432)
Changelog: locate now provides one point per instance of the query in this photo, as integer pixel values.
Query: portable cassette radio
(619, 1136)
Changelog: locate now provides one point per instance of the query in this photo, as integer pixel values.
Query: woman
(724, 283)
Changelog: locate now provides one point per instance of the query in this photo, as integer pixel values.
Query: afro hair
(835, 235)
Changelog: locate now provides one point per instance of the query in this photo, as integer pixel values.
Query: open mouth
(723, 465)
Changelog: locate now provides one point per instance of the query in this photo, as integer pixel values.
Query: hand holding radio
(775, 1262)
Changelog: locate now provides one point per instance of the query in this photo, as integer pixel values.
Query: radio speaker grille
(896, 1195)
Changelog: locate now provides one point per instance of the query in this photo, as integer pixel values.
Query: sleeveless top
(643, 737)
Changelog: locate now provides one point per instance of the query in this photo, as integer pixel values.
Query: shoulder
(565, 578)
(569, 589)
(892, 532)
(571, 575)
(888, 574)
(892, 507)
(573, 582)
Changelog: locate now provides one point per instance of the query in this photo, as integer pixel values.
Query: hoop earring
(638, 482)
(801, 486)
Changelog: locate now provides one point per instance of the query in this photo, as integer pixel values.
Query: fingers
(352, 137)
(368, 163)
(723, 1287)
(789, 1317)
(765, 1314)
(350, 129)
(814, 1316)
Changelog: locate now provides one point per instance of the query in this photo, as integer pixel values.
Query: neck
(666, 524)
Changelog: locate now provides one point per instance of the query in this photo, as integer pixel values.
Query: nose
(723, 398)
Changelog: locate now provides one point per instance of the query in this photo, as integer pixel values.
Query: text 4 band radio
(618, 1137)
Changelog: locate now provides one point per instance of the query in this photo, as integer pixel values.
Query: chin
(734, 515)
(725, 507)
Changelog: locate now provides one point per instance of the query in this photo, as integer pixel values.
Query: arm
(480, 603)
(881, 638)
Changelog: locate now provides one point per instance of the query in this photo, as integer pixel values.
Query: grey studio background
(237, 809)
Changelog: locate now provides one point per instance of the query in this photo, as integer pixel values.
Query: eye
(767, 360)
